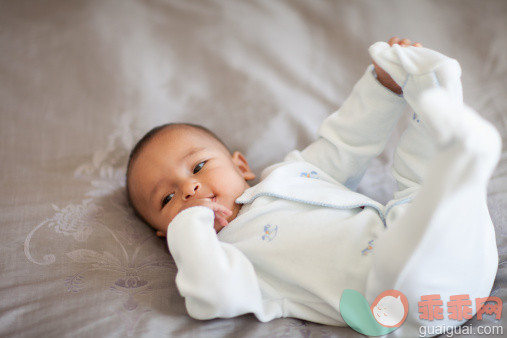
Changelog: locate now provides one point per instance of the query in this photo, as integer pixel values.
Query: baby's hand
(382, 76)
(221, 212)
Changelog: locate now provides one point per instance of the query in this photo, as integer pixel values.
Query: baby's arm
(357, 132)
(215, 278)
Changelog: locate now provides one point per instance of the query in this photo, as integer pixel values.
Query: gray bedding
(81, 81)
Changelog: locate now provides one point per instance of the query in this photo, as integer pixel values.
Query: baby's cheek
(169, 219)
(164, 221)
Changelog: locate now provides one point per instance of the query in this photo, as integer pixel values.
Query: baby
(292, 244)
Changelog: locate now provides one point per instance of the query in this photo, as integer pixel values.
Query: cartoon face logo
(386, 314)
(390, 308)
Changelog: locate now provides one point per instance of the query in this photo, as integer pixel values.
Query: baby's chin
(235, 211)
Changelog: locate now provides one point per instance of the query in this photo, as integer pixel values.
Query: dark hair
(134, 153)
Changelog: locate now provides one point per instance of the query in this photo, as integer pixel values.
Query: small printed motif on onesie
(368, 249)
(311, 174)
(270, 232)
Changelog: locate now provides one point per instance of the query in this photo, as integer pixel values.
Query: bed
(81, 81)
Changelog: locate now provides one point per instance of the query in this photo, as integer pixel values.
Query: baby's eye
(199, 167)
(167, 199)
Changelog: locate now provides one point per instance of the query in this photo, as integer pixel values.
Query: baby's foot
(450, 121)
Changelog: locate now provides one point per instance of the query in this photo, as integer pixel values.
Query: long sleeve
(215, 278)
(357, 132)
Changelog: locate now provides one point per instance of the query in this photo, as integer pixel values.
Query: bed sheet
(81, 81)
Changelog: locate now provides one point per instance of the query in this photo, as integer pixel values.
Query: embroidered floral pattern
(89, 220)
(74, 220)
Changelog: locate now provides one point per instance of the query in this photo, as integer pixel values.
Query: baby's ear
(243, 166)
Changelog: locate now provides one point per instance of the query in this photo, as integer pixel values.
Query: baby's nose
(190, 190)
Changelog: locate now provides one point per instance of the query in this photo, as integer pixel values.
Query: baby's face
(183, 167)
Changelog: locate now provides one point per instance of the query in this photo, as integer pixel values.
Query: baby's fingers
(394, 40)
(221, 220)
(403, 42)
(220, 209)
(221, 217)
(221, 214)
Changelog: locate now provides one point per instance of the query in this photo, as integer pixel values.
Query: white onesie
(303, 235)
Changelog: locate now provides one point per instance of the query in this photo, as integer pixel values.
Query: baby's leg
(443, 243)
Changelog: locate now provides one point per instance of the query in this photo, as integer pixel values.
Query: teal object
(356, 312)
